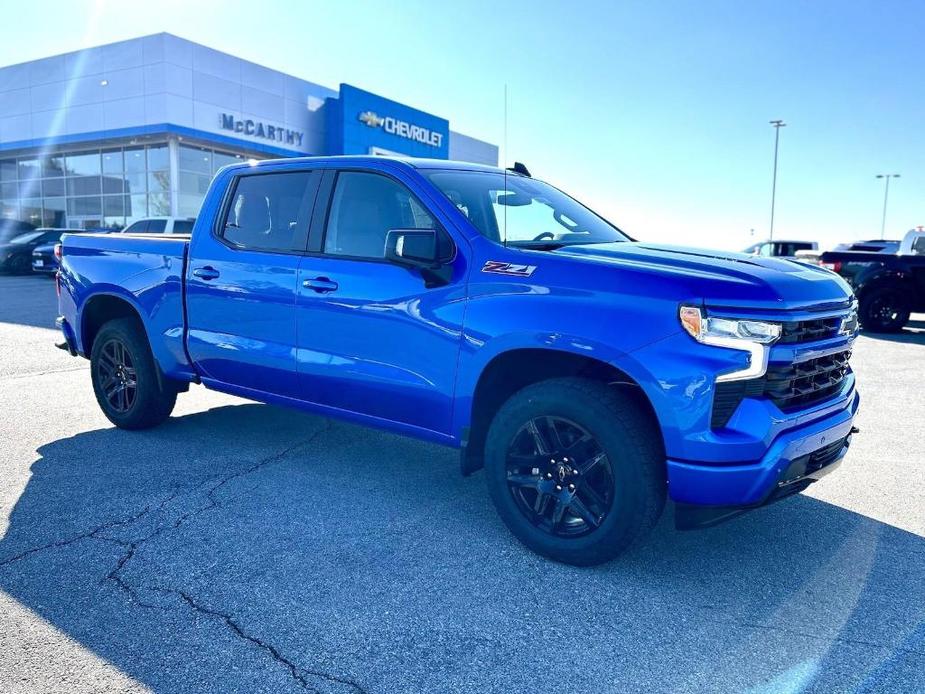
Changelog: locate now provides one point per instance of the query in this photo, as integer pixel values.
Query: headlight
(750, 336)
(701, 328)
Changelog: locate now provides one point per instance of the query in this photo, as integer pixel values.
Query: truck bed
(145, 269)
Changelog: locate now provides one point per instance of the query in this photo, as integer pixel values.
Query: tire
(630, 475)
(20, 265)
(122, 343)
(884, 310)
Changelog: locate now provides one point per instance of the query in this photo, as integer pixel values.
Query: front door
(242, 284)
(373, 339)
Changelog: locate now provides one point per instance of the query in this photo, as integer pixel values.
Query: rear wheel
(125, 379)
(884, 310)
(20, 265)
(575, 470)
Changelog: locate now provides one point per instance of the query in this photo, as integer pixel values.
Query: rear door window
(270, 212)
(156, 226)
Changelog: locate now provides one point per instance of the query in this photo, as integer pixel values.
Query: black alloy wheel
(560, 476)
(576, 469)
(129, 389)
(117, 376)
(884, 310)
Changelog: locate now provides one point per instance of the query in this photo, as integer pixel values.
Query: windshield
(522, 211)
(26, 238)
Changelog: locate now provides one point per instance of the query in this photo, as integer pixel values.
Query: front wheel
(884, 310)
(125, 379)
(575, 469)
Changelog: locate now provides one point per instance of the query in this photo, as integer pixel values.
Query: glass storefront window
(188, 205)
(83, 185)
(54, 214)
(113, 206)
(158, 158)
(159, 181)
(8, 170)
(159, 204)
(53, 166)
(135, 183)
(29, 169)
(112, 161)
(31, 188)
(196, 159)
(220, 159)
(135, 160)
(31, 210)
(52, 187)
(81, 207)
(136, 207)
(196, 184)
(113, 186)
(83, 164)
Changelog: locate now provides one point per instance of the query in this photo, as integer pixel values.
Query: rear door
(242, 282)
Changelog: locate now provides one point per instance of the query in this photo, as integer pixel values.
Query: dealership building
(107, 135)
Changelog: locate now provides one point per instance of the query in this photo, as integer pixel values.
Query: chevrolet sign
(262, 130)
(393, 126)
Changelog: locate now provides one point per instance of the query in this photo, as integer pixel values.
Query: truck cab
(591, 376)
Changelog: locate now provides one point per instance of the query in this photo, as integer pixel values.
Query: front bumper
(775, 474)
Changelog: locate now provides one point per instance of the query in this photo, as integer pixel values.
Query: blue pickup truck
(592, 376)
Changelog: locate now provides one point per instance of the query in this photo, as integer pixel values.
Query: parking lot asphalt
(245, 548)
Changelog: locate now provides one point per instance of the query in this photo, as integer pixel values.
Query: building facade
(107, 135)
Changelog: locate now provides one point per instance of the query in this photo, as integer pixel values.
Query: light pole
(778, 124)
(886, 195)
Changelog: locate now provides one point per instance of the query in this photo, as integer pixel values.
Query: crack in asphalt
(294, 670)
(93, 534)
(299, 674)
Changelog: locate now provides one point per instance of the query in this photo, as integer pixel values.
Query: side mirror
(412, 247)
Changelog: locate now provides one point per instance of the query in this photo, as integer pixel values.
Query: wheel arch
(514, 369)
(100, 308)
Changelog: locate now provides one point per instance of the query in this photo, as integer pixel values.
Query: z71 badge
(499, 268)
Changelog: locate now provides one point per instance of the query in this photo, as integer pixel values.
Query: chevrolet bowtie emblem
(371, 119)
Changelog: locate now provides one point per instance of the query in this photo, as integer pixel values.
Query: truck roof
(367, 159)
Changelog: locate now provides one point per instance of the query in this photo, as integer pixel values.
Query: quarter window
(365, 207)
(269, 212)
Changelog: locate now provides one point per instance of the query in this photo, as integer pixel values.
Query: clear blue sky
(654, 113)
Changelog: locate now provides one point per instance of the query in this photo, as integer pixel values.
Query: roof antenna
(520, 169)
(504, 159)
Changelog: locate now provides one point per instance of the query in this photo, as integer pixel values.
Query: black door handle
(206, 273)
(322, 285)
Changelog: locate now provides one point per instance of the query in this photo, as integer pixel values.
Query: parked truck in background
(590, 375)
(888, 278)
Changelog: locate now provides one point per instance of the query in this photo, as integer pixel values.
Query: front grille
(795, 386)
(791, 386)
(793, 332)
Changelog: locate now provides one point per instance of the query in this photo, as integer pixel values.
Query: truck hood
(722, 278)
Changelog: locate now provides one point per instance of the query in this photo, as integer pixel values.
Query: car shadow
(913, 332)
(248, 548)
